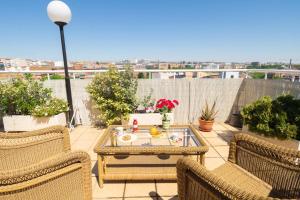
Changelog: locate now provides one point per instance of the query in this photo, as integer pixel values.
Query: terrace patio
(85, 138)
(192, 94)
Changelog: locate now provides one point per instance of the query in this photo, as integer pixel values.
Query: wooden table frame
(106, 151)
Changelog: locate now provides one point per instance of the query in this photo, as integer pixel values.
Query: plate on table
(127, 138)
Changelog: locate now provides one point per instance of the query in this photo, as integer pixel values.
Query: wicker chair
(66, 176)
(22, 149)
(255, 170)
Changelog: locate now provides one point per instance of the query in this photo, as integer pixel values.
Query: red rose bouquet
(164, 106)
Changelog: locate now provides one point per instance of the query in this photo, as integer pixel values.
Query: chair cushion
(242, 179)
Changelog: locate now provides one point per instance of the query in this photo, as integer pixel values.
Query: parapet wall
(230, 94)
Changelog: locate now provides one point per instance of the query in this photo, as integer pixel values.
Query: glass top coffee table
(142, 156)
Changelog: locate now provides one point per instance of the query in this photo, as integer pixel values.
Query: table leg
(202, 159)
(100, 170)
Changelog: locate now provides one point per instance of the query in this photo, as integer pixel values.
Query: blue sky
(200, 30)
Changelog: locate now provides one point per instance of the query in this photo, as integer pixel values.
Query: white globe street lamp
(61, 15)
(59, 12)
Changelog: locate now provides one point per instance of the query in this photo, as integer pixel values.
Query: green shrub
(257, 75)
(52, 107)
(56, 77)
(279, 117)
(114, 93)
(22, 95)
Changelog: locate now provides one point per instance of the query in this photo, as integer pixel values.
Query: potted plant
(145, 112)
(277, 121)
(165, 108)
(26, 105)
(114, 93)
(207, 118)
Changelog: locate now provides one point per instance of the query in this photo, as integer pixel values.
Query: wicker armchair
(22, 149)
(255, 170)
(66, 176)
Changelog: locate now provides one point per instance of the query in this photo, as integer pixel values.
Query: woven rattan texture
(277, 166)
(64, 176)
(22, 149)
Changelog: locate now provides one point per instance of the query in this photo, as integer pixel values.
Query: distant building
(37, 68)
(160, 75)
(239, 66)
(17, 69)
(230, 75)
(256, 64)
(60, 64)
(163, 66)
(210, 66)
(227, 66)
(78, 66)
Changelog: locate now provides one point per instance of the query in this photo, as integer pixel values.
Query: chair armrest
(196, 182)
(278, 166)
(64, 176)
(61, 130)
(22, 149)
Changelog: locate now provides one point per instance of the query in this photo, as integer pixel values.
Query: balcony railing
(74, 73)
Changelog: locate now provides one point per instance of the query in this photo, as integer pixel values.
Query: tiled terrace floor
(85, 138)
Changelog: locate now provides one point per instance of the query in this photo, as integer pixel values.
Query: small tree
(115, 94)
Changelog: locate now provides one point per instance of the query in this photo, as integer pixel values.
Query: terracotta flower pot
(205, 126)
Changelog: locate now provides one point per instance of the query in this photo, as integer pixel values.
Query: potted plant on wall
(208, 114)
(145, 113)
(26, 105)
(277, 121)
(165, 108)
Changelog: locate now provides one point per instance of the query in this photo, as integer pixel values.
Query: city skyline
(213, 31)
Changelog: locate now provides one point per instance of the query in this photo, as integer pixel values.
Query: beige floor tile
(166, 188)
(93, 155)
(212, 153)
(79, 129)
(89, 136)
(211, 134)
(140, 189)
(110, 190)
(228, 127)
(218, 126)
(212, 163)
(217, 141)
(222, 150)
(82, 145)
(74, 138)
(75, 135)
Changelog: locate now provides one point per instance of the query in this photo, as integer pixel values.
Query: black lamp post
(61, 15)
